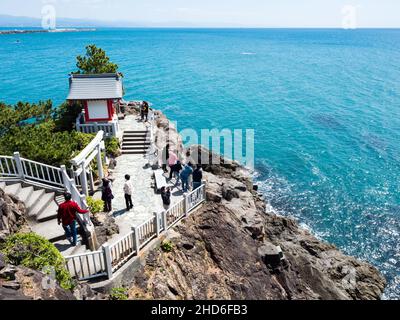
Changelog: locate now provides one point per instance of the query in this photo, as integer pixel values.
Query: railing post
(107, 260)
(99, 163)
(65, 177)
(137, 240)
(165, 222)
(185, 204)
(18, 162)
(157, 224)
(114, 129)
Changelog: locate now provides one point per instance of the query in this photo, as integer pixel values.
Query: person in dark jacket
(166, 197)
(175, 170)
(66, 215)
(107, 195)
(197, 177)
(165, 157)
(145, 111)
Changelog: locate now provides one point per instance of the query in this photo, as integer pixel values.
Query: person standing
(107, 195)
(145, 110)
(165, 157)
(166, 197)
(197, 177)
(128, 189)
(175, 170)
(185, 175)
(66, 215)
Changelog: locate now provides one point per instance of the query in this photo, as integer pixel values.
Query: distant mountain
(7, 21)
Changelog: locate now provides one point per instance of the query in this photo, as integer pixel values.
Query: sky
(223, 13)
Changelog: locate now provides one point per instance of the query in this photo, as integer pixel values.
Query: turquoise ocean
(324, 104)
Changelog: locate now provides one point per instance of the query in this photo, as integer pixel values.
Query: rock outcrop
(12, 215)
(20, 283)
(232, 248)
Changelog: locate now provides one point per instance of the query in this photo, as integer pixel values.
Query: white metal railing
(146, 232)
(24, 169)
(87, 265)
(196, 197)
(122, 250)
(175, 213)
(40, 172)
(110, 129)
(117, 254)
(8, 167)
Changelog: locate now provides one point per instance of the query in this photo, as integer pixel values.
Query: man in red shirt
(67, 216)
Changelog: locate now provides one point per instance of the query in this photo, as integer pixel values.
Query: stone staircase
(135, 142)
(42, 205)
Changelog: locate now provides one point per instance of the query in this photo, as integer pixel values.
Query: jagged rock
(12, 213)
(2, 262)
(271, 254)
(228, 193)
(105, 227)
(8, 273)
(213, 196)
(226, 250)
(11, 285)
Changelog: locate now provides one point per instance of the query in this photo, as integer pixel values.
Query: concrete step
(41, 204)
(135, 139)
(13, 189)
(35, 196)
(24, 194)
(64, 246)
(136, 143)
(2, 185)
(135, 135)
(48, 213)
(134, 152)
(134, 131)
(49, 230)
(135, 147)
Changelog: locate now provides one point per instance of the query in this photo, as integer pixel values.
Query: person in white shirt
(128, 189)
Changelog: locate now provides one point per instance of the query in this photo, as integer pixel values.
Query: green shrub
(112, 147)
(32, 251)
(167, 246)
(119, 294)
(95, 206)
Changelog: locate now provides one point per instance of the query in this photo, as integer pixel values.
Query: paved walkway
(145, 201)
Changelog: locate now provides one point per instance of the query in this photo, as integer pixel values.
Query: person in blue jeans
(185, 175)
(66, 215)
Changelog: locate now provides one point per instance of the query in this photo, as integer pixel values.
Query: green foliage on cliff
(167, 246)
(112, 147)
(41, 133)
(119, 294)
(95, 61)
(95, 206)
(32, 251)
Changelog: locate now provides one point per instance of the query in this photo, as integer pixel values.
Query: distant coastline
(16, 31)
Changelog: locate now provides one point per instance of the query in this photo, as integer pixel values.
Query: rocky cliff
(12, 215)
(232, 248)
